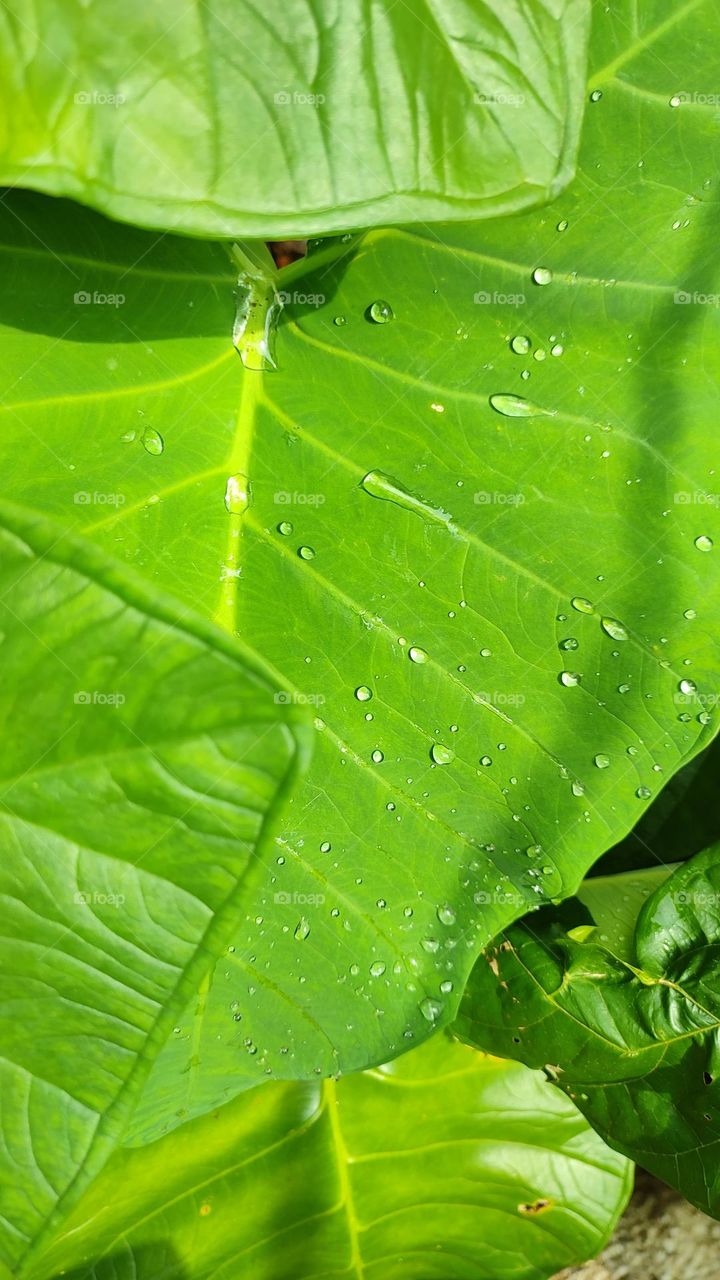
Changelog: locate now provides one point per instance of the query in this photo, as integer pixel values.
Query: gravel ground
(660, 1237)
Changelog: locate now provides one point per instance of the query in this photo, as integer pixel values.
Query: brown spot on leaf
(538, 1206)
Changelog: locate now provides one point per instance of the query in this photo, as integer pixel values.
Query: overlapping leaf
(293, 118)
(630, 1030)
(444, 1164)
(143, 759)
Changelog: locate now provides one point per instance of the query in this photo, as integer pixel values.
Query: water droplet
(689, 614)
(542, 275)
(306, 553)
(237, 494)
(378, 484)
(643, 793)
(562, 226)
(601, 761)
(377, 969)
(577, 789)
(440, 754)
(362, 693)
(446, 914)
(705, 717)
(582, 605)
(614, 628)
(520, 344)
(302, 929)
(570, 678)
(570, 643)
(430, 1009)
(557, 349)
(485, 761)
(377, 757)
(325, 847)
(518, 407)
(596, 95)
(623, 688)
(152, 441)
(339, 320)
(703, 543)
(417, 655)
(446, 987)
(380, 311)
(430, 945)
(687, 686)
(285, 527)
(675, 100)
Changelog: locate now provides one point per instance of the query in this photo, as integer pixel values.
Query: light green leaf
(227, 119)
(143, 758)
(445, 1164)
(632, 1032)
(392, 869)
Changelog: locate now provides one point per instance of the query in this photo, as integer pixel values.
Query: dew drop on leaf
(703, 543)
(582, 605)
(613, 628)
(569, 643)
(643, 793)
(237, 494)
(601, 761)
(377, 757)
(542, 275)
(302, 929)
(362, 693)
(446, 914)
(687, 686)
(485, 761)
(285, 527)
(441, 754)
(596, 95)
(380, 311)
(417, 655)
(570, 678)
(377, 969)
(430, 1009)
(518, 407)
(152, 441)
(306, 553)
(520, 344)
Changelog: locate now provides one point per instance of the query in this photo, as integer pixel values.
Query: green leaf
(632, 1034)
(297, 119)
(377, 447)
(445, 1164)
(143, 759)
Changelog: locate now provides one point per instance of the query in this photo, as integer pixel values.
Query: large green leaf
(391, 873)
(226, 118)
(142, 759)
(444, 1164)
(632, 1034)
